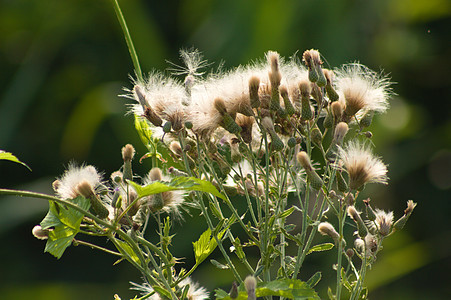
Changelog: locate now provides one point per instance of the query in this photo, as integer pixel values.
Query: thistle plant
(286, 136)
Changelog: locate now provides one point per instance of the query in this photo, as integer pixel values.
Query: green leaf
(124, 247)
(314, 279)
(144, 131)
(218, 265)
(178, 183)
(65, 224)
(9, 156)
(59, 239)
(205, 245)
(286, 213)
(162, 291)
(321, 247)
(345, 281)
(287, 288)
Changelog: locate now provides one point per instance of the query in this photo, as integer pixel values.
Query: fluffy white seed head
(362, 89)
(362, 166)
(73, 176)
(171, 200)
(384, 221)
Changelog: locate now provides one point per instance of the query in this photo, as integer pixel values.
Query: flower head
(169, 201)
(384, 221)
(66, 187)
(195, 292)
(362, 89)
(362, 166)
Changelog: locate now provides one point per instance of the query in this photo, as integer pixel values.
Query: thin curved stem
(128, 39)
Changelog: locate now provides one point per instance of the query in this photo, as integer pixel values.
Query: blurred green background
(63, 63)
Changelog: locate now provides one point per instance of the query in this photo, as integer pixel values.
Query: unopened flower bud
(40, 233)
(289, 109)
(325, 228)
(402, 221)
(317, 137)
(188, 125)
(314, 179)
(234, 291)
(140, 96)
(228, 122)
(84, 188)
(152, 117)
(317, 95)
(339, 134)
(250, 283)
(246, 124)
(370, 214)
(306, 110)
(167, 127)
(292, 142)
(254, 85)
(276, 142)
(337, 111)
(155, 174)
(349, 253)
(128, 152)
(362, 230)
(331, 93)
(117, 176)
(56, 185)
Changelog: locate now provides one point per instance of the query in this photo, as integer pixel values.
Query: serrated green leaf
(314, 279)
(205, 245)
(59, 239)
(144, 130)
(321, 247)
(218, 265)
(9, 156)
(287, 288)
(221, 294)
(65, 224)
(178, 183)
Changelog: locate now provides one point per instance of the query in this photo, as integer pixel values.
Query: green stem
(58, 200)
(341, 221)
(93, 246)
(128, 39)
